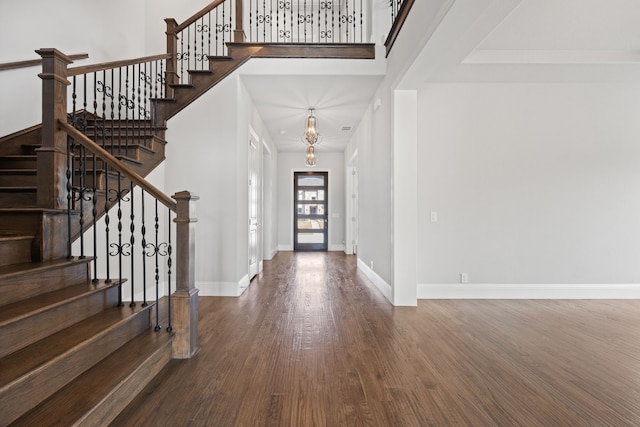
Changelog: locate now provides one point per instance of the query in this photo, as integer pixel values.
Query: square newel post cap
(186, 207)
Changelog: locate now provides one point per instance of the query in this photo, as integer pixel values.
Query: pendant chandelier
(311, 137)
(311, 156)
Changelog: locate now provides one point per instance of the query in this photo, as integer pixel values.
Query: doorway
(310, 213)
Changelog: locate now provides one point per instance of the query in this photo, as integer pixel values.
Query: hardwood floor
(312, 343)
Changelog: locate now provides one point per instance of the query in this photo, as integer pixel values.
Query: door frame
(254, 144)
(324, 246)
(292, 202)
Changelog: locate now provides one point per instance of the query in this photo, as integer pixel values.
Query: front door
(310, 216)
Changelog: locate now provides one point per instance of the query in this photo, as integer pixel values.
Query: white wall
(288, 163)
(78, 27)
(533, 184)
(202, 143)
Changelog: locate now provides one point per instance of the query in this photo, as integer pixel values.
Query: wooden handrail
(199, 15)
(76, 71)
(117, 165)
(35, 62)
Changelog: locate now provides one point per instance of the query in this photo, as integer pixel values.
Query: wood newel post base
(51, 158)
(185, 299)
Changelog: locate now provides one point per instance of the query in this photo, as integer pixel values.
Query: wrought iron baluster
(251, 21)
(119, 108)
(119, 246)
(143, 232)
(333, 20)
(230, 26)
(132, 241)
(361, 23)
(112, 109)
(146, 124)
(217, 20)
(340, 21)
(94, 209)
(169, 327)
(106, 188)
(69, 191)
(139, 105)
(157, 277)
(125, 100)
(209, 37)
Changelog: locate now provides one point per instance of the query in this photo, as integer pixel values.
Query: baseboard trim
(269, 256)
(339, 248)
(528, 291)
(377, 281)
(285, 248)
(223, 289)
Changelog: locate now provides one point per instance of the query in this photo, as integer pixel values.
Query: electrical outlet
(464, 278)
(434, 216)
(372, 265)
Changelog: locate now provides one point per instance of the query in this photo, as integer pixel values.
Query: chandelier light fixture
(311, 134)
(311, 137)
(311, 156)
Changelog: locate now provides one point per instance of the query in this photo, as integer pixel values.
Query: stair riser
(15, 252)
(21, 163)
(17, 335)
(18, 180)
(108, 409)
(13, 144)
(30, 284)
(18, 199)
(27, 392)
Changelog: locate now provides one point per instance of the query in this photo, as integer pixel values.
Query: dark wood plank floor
(313, 343)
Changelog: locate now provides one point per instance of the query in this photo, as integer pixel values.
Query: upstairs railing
(86, 168)
(206, 33)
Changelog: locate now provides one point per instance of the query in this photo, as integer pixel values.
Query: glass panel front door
(310, 225)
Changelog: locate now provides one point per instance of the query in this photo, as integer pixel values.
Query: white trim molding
(223, 289)
(377, 281)
(528, 291)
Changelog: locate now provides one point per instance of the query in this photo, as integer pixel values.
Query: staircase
(67, 351)
(70, 352)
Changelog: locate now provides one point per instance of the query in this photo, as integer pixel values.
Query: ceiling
(283, 102)
(468, 41)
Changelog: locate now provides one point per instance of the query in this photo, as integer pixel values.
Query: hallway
(312, 343)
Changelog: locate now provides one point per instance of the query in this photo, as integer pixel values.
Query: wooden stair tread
(219, 58)
(18, 171)
(18, 156)
(16, 311)
(15, 237)
(81, 399)
(55, 346)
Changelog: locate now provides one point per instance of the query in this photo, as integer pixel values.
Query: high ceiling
(284, 101)
(471, 41)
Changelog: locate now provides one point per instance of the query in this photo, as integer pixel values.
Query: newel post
(238, 32)
(51, 157)
(172, 49)
(185, 299)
